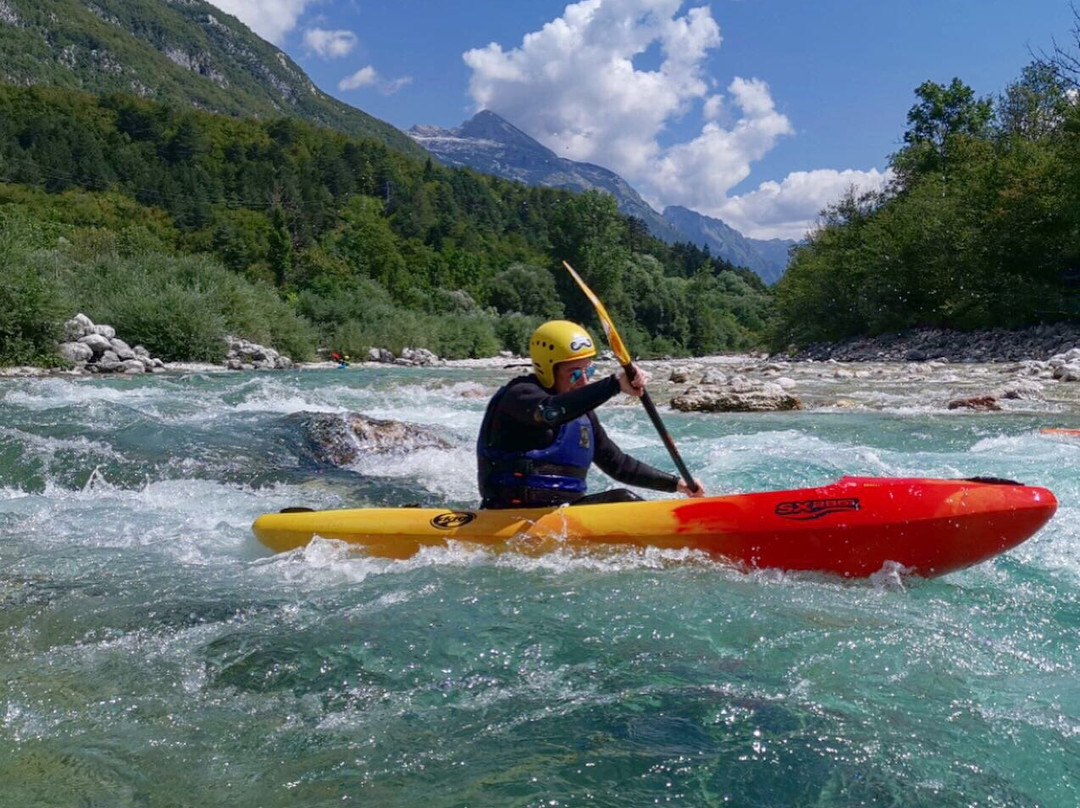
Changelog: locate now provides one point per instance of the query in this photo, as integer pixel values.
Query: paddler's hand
(635, 387)
(683, 488)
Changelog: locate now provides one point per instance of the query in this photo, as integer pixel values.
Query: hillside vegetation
(980, 227)
(185, 54)
(306, 237)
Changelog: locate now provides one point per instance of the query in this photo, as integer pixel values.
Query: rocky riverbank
(756, 384)
(919, 345)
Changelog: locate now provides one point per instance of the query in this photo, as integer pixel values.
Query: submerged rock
(340, 439)
(979, 403)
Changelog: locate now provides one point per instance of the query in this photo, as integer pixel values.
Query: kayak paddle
(623, 355)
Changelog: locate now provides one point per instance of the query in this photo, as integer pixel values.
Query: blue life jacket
(538, 476)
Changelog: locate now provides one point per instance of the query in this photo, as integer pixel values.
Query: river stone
(106, 331)
(765, 397)
(340, 439)
(978, 403)
(132, 366)
(1022, 389)
(76, 352)
(713, 376)
(680, 375)
(108, 361)
(123, 350)
(98, 343)
(423, 357)
(78, 326)
(1068, 373)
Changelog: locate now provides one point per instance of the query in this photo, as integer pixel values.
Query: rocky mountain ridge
(489, 143)
(493, 145)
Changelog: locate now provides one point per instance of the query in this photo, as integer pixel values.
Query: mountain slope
(490, 144)
(178, 52)
(767, 258)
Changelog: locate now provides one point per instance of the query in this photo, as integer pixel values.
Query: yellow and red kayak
(1061, 433)
(852, 527)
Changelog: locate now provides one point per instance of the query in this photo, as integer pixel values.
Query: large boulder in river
(738, 396)
(340, 439)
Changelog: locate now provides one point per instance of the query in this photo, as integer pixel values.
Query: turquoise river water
(152, 653)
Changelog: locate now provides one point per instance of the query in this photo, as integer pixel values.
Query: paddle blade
(613, 338)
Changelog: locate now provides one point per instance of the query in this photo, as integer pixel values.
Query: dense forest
(979, 227)
(178, 226)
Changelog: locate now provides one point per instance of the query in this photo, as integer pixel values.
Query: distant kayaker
(540, 435)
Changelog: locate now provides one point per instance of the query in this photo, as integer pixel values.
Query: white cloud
(713, 107)
(364, 77)
(698, 173)
(391, 86)
(573, 86)
(270, 19)
(788, 209)
(329, 44)
(369, 77)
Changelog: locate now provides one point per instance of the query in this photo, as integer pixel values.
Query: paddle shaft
(654, 416)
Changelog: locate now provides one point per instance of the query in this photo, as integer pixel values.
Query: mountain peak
(488, 125)
(485, 130)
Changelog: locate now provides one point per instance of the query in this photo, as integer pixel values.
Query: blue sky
(758, 112)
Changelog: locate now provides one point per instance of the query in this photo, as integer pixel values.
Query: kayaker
(540, 435)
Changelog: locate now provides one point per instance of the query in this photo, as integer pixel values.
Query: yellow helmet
(558, 341)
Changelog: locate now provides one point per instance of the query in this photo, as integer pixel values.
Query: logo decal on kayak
(452, 519)
(815, 508)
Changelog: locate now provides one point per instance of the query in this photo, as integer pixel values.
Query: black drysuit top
(527, 416)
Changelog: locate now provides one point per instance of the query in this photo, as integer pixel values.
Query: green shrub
(173, 322)
(515, 330)
(181, 308)
(464, 336)
(526, 289)
(31, 312)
